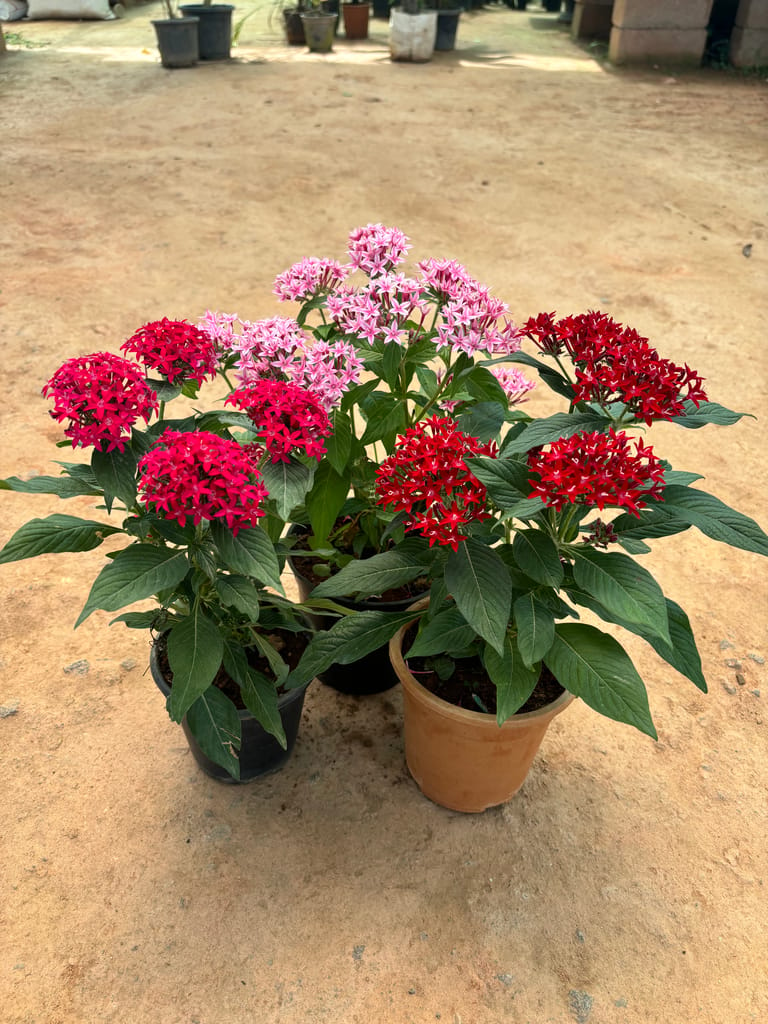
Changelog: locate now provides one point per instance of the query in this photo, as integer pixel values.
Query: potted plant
(355, 14)
(214, 28)
(187, 496)
(518, 540)
(384, 349)
(412, 31)
(448, 14)
(319, 26)
(177, 38)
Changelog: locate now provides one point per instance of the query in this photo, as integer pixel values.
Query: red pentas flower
(101, 396)
(285, 416)
(596, 469)
(427, 477)
(175, 349)
(614, 363)
(202, 476)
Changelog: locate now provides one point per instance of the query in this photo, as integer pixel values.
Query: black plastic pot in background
(260, 753)
(214, 28)
(177, 42)
(447, 27)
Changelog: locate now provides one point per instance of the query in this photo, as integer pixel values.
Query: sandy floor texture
(626, 883)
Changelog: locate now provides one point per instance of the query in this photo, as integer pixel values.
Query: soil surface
(626, 882)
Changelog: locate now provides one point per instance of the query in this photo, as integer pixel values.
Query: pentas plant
(188, 495)
(514, 541)
(384, 348)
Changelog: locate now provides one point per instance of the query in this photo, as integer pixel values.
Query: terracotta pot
(462, 759)
(355, 20)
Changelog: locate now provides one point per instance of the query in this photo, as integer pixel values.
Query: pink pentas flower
(380, 310)
(100, 397)
(514, 382)
(309, 277)
(592, 468)
(198, 475)
(175, 349)
(376, 249)
(427, 478)
(285, 417)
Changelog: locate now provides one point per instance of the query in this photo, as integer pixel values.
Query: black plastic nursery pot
(260, 753)
(214, 29)
(177, 42)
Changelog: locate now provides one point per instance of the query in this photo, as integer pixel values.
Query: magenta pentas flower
(376, 249)
(614, 363)
(427, 478)
(175, 349)
(596, 469)
(309, 277)
(285, 417)
(100, 397)
(198, 475)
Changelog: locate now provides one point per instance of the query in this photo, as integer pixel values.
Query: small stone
(728, 688)
(6, 710)
(79, 668)
(740, 679)
(725, 645)
(357, 953)
(581, 1005)
(128, 665)
(505, 979)
(755, 692)
(747, 250)
(619, 1002)
(411, 991)
(580, 936)
(758, 658)
(733, 663)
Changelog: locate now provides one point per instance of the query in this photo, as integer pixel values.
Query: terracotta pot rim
(477, 719)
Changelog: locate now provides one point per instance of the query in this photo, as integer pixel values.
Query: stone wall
(749, 39)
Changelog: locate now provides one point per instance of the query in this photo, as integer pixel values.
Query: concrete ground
(625, 884)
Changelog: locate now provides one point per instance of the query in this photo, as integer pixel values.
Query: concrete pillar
(592, 19)
(749, 39)
(667, 30)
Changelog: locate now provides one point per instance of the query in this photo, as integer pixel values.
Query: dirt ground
(625, 884)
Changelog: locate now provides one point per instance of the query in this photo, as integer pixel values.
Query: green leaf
(63, 486)
(260, 697)
(649, 524)
(137, 620)
(483, 421)
(385, 417)
(135, 573)
(592, 665)
(707, 412)
(165, 391)
(505, 479)
(619, 583)
(116, 474)
(551, 377)
(552, 428)
(715, 519)
(484, 387)
(215, 724)
(240, 593)
(514, 680)
(339, 444)
(479, 583)
(535, 628)
(447, 633)
(537, 555)
(287, 483)
(54, 535)
(325, 500)
(347, 641)
(195, 652)
(250, 552)
(371, 576)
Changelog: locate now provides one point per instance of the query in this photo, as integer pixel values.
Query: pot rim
(477, 719)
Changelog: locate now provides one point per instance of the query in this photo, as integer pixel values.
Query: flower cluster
(200, 476)
(427, 478)
(614, 363)
(279, 349)
(376, 249)
(379, 311)
(514, 383)
(175, 349)
(309, 277)
(596, 469)
(285, 417)
(101, 396)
